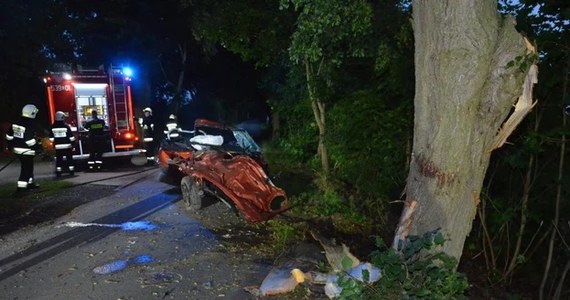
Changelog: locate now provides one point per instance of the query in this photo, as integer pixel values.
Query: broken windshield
(245, 141)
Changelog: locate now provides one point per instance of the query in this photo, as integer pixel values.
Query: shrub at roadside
(419, 272)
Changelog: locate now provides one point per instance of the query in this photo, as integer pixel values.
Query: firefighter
(63, 140)
(21, 137)
(147, 124)
(172, 127)
(97, 141)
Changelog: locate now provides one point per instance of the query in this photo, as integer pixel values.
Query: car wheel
(192, 194)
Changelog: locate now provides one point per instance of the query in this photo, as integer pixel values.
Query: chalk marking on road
(128, 226)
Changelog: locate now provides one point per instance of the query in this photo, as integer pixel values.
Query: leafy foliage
(368, 143)
(420, 272)
(328, 29)
(366, 80)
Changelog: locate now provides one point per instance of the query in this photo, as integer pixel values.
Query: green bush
(368, 143)
(419, 272)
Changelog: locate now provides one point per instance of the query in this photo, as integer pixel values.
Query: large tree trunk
(464, 92)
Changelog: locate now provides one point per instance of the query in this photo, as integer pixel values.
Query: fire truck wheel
(192, 194)
(139, 160)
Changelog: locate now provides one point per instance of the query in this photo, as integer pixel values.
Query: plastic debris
(374, 273)
(280, 281)
(111, 267)
(121, 264)
(285, 279)
(333, 290)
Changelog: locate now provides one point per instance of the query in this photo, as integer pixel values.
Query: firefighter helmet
(29, 111)
(59, 116)
(172, 117)
(147, 109)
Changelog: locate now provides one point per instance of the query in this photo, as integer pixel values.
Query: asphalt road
(139, 243)
(45, 170)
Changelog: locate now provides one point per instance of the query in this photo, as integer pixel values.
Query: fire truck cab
(77, 92)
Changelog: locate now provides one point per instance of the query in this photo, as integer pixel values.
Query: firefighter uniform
(97, 141)
(21, 137)
(172, 127)
(62, 139)
(147, 124)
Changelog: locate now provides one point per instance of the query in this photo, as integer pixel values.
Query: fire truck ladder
(120, 104)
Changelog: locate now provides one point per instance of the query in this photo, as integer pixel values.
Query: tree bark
(275, 127)
(319, 111)
(464, 92)
(183, 49)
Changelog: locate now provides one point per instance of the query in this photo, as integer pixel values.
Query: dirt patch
(255, 242)
(236, 234)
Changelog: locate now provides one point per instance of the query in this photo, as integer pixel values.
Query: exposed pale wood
(404, 224)
(523, 105)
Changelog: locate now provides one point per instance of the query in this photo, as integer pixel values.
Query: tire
(192, 194)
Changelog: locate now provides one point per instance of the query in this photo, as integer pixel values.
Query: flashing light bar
(128, 72)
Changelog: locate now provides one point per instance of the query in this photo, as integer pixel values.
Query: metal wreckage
(220, 162)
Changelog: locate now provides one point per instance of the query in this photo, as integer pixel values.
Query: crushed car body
(222, 162)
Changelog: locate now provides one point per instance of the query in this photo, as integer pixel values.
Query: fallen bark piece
(337, 256)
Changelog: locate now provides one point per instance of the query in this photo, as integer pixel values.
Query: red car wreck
(222, 162)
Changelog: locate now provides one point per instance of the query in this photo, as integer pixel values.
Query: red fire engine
(79, 91)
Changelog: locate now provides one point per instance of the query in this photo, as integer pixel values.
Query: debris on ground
(292, 271)
(280, 281)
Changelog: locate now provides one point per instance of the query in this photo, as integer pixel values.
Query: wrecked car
(223, 163)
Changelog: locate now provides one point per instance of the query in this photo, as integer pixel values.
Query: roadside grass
(10, 204)
(285, 233)
(311, 208)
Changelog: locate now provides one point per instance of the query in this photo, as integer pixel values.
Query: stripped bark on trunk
(464, 93)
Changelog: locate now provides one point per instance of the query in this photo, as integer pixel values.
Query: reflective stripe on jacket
(61, 135)
(22, 136)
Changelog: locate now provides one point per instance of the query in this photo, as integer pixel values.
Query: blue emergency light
(128, 72)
